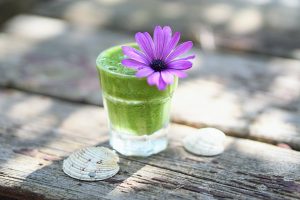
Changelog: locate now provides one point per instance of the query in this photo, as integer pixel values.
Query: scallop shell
(92, 164)
(206, 142)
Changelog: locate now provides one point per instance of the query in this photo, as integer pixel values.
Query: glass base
(144, 145)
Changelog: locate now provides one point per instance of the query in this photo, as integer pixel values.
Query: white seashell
(206, 142)
(91, 164)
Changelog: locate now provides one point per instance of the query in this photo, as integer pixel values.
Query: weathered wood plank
(55, 52)
(270, 27)
(34, 141)
(277, 124)
(224, 90)
(231, 93)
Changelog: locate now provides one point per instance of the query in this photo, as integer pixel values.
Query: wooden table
(38, 132)
(48, 108)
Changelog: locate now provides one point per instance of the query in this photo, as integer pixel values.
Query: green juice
(133, 106)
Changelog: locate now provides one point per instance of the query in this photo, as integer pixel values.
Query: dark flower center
(158, 65)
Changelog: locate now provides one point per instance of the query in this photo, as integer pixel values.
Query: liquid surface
(111, 60)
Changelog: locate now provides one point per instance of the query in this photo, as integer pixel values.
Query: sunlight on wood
(138, 18)
(7, 50)
(111, 2)
(95, 119)
(267, 160)
(260, 2)
(287, 87)
(30, 108)
(296, 53)
(218, 13)
(290, 3)
(286, 83)
(37, 28)
(131, 184)
(213, 106)
(246, 21)
(207, 39)
(32, 152)
(86, 14)
(25, 164)
(279, 124)
(172, 10)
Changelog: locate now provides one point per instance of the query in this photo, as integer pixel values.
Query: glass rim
(102, 54)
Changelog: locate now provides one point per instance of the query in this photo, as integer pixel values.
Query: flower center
(158, 65)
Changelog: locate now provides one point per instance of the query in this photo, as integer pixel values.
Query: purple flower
(157, 59)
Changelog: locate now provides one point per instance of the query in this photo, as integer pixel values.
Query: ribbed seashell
(205, 142)
(92, 164)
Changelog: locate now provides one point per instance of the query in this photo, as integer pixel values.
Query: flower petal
(144, 72)
(181, 49)
(167, 77)
(135, 54)
(167, 32)
(180, 64)
(130, 63)
(178, 73)
(158, 37)
(143, 43)
(187, 58)
(161, 84)
(151, 45)
(172, 44)
(167, 37)
(153, 79)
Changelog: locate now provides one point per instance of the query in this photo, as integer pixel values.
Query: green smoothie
(133, 106)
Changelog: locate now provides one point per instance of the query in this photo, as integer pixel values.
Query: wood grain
(38, 132)
(223, 90)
